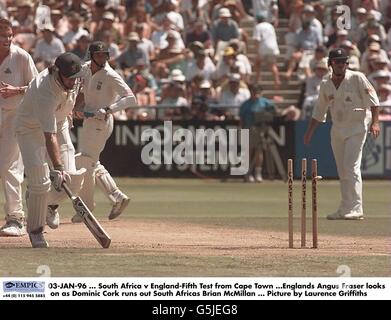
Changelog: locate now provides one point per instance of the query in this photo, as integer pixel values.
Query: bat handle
(67, 190)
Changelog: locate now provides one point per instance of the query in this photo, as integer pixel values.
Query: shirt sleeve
(120, 87)
(320, 110)
(367, 92)
(45, 112)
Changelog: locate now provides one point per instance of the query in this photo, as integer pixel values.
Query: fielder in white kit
(353, 105)
(42, 131)
(105, 92)
(17, 69)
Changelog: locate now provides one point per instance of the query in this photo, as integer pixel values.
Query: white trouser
(67, 153)
(39, 194)
(33, 149)
(348, 153)
(11, 167)
(93, 137)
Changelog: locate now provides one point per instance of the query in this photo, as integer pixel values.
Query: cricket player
(17, 69)
(42, 132)
(353, 105)
(104, 92)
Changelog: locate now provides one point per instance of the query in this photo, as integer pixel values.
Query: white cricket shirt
(349, 105)
(17, 69)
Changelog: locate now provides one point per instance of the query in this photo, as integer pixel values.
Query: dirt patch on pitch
(150, 236)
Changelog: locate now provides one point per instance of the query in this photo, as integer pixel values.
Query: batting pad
(106, 182)
(37, 194)
(77, 179)
(87, 191)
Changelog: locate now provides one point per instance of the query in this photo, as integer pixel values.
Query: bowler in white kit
(353, 105)
(17, 69)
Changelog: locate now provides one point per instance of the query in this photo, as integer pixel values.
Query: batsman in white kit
(104, 92)
(42, 131)
(17, 69)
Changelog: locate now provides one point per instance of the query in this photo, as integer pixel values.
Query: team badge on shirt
(348, 99)
(8, 71)
(99, 85)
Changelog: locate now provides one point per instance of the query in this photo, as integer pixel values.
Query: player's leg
(11, 173)
(37, 195)
(32, 147)
(107, 184)
(338, 146)
(92, 141)
(352, 164)
(67, 153)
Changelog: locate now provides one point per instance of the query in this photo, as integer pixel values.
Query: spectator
(354, 61)
(294, 26)
(201, 65)
(268, 51)
(381, 77)
(127, 59)
(306, 42)
(145, 97)
(266, 8)
(373, 49)
(24, 16)
(107, 24)
(233, 95)
(384, 92)
(159, 37)
(173, 98)
(223, 30)
(48, 48)
(224, 66)
(81, 47)
(145, 44)
(315, 24)
(312, 86)
(59, 22)
(199, 33)
(75, 32)
(252, 105)
(78, 6)
(320, 56)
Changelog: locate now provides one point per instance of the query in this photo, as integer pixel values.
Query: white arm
(122, 103)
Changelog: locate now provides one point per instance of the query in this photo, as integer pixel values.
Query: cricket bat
(88, 218)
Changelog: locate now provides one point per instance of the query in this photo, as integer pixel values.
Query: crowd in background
(193, 54)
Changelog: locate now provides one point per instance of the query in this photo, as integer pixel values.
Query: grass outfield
(190, 227)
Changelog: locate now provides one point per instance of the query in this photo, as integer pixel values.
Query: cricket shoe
(354, 216)
(13, 228)
(258, 178)
(37, 239)
(335, 216)
(53, 217)
(119, 206)
(249, 178)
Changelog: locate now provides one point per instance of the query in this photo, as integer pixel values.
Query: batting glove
(58, 177)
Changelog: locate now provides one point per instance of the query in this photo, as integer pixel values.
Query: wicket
(314, 178)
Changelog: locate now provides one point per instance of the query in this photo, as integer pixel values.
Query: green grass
(212, 203)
